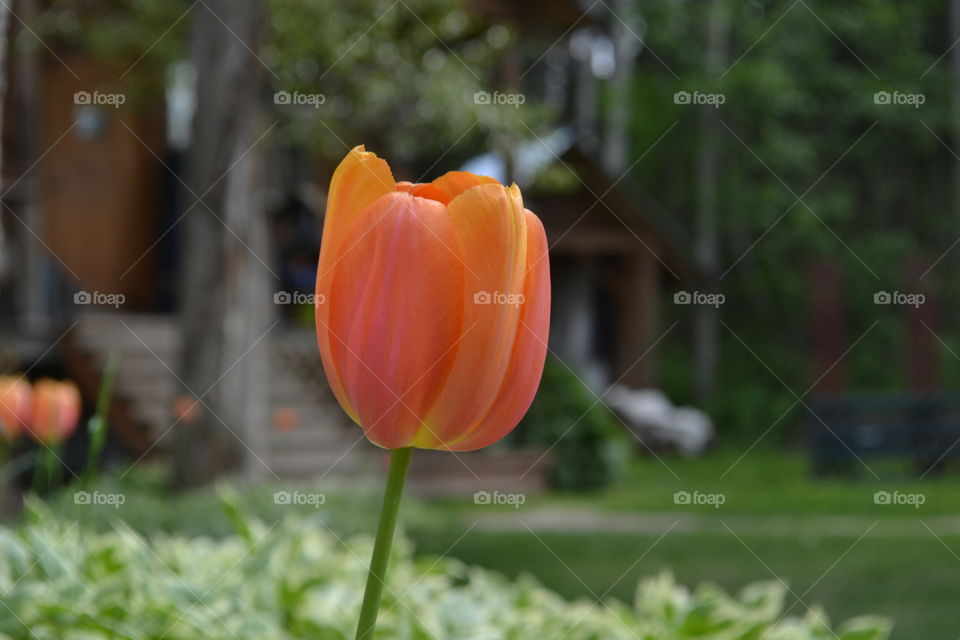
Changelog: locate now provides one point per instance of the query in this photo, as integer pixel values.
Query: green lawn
(765, 482)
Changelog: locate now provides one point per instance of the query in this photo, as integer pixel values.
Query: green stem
(97, 427)
(53, 465)
(39, 470)
(399, 463)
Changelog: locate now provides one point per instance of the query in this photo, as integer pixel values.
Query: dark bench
(924, 427)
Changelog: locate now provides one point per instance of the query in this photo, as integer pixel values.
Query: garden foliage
(298, 579)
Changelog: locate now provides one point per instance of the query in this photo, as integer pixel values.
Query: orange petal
(489, 220)
(424, 190)
(453, 183)
(395, 313)
(529, 350)
(360, 179)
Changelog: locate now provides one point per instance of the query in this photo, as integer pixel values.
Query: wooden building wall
(101, 192)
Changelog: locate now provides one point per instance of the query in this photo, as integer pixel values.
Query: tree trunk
(955, 67)
(4, 21)
(626, 46)
(248, 304)
(213, 314)
(30, 259)
(706, 318)
(585, 90)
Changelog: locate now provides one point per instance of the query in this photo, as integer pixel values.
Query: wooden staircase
(308, 434)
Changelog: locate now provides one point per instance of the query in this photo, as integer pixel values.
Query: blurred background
(753, 210)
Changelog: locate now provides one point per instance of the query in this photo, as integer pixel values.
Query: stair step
(321, 439)
(314, 464)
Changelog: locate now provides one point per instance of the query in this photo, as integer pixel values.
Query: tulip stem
(399, 463)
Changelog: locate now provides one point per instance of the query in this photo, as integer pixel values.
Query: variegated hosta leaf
(296, 580)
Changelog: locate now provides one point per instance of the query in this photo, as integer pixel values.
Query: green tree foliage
(800, 119)
(399, 77)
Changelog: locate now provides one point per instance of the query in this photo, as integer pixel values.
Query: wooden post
(637, 321)
(825, 283)
(923, 346)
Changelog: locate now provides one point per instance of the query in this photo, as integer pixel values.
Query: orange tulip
(14, 405)
(436, 305)
(56, 411)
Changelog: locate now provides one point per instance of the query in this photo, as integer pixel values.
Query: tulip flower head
(55, 412)
(433, 329)
(15, 406)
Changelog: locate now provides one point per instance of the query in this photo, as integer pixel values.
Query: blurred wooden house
(613, 251)
(97, 184)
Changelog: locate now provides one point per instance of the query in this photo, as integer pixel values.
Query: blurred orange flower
(14, 405)
(433, 305)
(55, 410)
